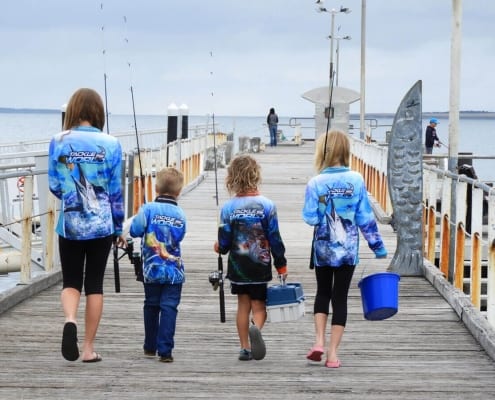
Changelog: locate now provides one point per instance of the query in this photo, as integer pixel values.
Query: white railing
(28, 209)
(458, 239)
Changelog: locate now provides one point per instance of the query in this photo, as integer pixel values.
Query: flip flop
(70, 351)
(333, 364)
(315, 353)
(96, 358)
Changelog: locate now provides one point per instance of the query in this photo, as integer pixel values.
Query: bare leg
(320, 328)
(94, 309)
(243, 311)
(337, 331)
(70, 302)
(259, 313)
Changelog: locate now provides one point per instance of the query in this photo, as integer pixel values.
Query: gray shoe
(258, 349)
(149, 353)
(245, 355)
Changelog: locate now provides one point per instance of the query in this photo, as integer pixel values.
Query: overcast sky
(251, 54)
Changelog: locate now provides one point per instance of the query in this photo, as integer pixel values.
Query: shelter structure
(342, 98)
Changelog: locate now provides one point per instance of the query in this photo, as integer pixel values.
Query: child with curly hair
(249, 232)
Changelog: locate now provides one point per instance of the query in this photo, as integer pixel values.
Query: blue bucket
(380, 295)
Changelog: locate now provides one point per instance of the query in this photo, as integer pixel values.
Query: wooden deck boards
(423, 352)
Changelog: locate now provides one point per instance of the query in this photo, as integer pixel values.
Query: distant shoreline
(6, 110)
(439, 115)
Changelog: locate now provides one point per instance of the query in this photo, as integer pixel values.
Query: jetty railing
(28, 209)
(370, 159)
(458, 236)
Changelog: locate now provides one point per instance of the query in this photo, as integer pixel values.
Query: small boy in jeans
(162, 225)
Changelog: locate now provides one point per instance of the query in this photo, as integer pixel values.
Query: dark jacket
(431, 136)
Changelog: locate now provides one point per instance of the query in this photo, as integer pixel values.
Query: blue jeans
(273, 135)
(160, 316)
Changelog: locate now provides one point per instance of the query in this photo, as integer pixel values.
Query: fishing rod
(135, 122)
(443, 144)
(135, 258)
(216, 277)
(221, 292)
(329, 116)
(105, 76)
(116, 269)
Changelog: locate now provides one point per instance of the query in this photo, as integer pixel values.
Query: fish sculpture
(405, 183)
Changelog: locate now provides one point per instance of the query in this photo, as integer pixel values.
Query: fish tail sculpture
(405, 182)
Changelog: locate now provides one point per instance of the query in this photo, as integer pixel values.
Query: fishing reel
(214, 279)
(135, 259)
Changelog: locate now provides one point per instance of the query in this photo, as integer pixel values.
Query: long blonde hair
(332, 149)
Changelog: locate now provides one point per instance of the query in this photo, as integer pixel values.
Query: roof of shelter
(340, 95)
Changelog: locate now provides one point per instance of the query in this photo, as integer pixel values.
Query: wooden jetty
(423, 352)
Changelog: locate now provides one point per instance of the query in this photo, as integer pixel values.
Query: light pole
(321, 8)
(362, 102)
(337, 51)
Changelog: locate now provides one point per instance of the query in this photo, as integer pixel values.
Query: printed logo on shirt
(167, 220)
(347, 191)
(85, 156)
(241, 213)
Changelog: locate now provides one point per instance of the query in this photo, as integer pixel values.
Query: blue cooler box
(285, 302)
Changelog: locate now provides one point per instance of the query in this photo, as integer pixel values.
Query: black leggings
(333, 285)
(75, 253)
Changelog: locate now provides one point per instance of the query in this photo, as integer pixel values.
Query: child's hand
(215, 248)
(283, 277)
(121, 241)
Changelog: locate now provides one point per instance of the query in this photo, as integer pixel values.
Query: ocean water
(476, 134)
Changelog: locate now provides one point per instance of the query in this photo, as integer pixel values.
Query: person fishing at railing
(84, 172)
(162, 225)
(431, 138)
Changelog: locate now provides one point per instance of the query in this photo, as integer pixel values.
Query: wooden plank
(423, 352)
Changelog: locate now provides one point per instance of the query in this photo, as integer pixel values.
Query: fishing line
(105, 77)
(134, 116)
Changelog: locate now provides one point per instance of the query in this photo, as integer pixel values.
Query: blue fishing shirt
(249, 232)
(84, 172)
(162, 225)
(336, 203)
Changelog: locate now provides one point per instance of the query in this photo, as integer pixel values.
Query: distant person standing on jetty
(84, 172)
(272, 121)
(249, 232)
(336, 203)
(431, 138)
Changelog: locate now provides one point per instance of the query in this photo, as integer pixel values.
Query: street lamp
(320, 8)
(337, 51)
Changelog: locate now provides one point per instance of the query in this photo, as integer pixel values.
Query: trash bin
(255, 144)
